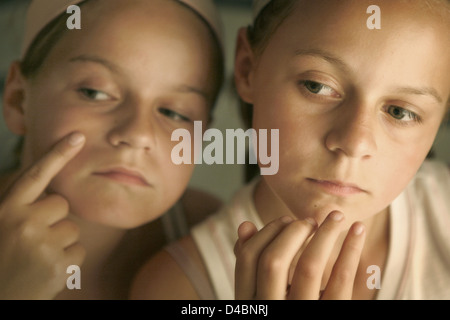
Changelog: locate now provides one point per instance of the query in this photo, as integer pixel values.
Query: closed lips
(338, 187)
(124, 175)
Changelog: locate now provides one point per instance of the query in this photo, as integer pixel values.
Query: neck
(100, 242)
(268, 206)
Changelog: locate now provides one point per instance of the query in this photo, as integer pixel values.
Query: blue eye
(173, 115)
(93, 94)
(401, 114)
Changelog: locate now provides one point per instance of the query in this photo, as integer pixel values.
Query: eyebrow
(324, 55)
(92, 58)
(422, 91)
(425, 91)
(193, 90)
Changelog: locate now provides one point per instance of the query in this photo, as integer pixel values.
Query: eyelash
(173, 115)
(415, 118)
(306, 84)
(87, 93)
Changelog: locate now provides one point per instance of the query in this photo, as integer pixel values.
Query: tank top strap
(200, 282)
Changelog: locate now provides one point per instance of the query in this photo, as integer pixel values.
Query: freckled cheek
(40, 138)
(300, 137)
(178, 174)
(48, 125)
(397, 169)
(79, 168)
(173, 180)
(172, 177)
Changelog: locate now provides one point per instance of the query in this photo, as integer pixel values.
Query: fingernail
(336, 215)
(358, 229)
(76, 139)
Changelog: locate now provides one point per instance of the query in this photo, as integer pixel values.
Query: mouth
(337, 188)
(124, 175)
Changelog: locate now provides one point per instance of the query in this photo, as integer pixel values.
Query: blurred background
(220, 180)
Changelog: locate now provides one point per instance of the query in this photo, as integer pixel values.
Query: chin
(110, 205)
(318, 207)
(116, 214)
(317, 211)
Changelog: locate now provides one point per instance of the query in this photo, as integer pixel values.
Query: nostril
(351, 141)
(133, 132)
(120, 143)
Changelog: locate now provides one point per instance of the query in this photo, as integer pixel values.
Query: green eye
(320, 89)
(173, 115)
(93, 94)
(401, 114)
(314, 87)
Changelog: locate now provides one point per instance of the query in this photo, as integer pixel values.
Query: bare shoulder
(199, 204)
(162, 278)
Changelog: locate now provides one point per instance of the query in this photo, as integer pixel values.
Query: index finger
(33, 182)
(308, 273)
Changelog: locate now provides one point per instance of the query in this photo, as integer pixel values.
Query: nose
(134, 130)
(353, 132)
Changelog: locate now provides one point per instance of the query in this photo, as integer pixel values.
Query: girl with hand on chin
(357, 110)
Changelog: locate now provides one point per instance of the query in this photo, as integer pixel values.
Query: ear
(13, 100)
(243, 67)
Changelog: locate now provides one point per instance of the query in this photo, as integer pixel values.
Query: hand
(37, 241)
(267, 266)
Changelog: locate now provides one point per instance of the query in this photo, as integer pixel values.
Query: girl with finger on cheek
(357, 110)
(114, 90)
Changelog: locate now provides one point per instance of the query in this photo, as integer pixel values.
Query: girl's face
(357, 109)
(130, 77)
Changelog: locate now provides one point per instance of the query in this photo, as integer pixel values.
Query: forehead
(412, 44)
(334, 18)
(161, 15)
(147, 39)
